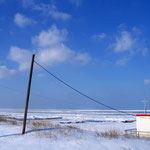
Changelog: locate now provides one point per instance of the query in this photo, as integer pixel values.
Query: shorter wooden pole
(27, 97)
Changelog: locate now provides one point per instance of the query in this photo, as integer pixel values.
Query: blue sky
(100, 47)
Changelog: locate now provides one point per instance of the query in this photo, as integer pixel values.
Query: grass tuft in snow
(53, 130)
(108, 134)
(8, 120)
(44, 124)
(115, 134)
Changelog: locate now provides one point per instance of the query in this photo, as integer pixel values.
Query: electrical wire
(81, 93)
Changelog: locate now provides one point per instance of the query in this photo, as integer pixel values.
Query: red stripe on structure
(143, 115)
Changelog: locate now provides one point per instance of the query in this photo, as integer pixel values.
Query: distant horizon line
(73, 109)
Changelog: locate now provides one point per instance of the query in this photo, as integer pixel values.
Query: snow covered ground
(69, 130)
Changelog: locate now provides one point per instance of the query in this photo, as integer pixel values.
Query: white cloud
(76, 2)
(55, 55)
(130, 41)
(147, 82)
(22, 21)
(129, 44)
(124, 42)
(21, 56)
(123, 61)
(99, 36)
(82, 58)
(49, 10)
(61, 54)
(59, 15)
(50, 50)
(50, 38)
(5, 72)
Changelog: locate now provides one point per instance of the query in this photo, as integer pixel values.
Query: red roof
(143, 115)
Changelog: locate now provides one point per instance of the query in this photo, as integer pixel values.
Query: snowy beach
(69, 129)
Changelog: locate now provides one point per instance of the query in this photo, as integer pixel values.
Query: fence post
(27, 97)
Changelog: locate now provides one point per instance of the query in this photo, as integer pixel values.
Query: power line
(81, 93)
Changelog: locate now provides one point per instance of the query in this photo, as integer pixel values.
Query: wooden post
(27, 97)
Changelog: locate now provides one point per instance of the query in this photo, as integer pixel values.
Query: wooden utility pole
(27, 97)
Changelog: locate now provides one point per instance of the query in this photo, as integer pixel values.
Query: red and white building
(143, 124)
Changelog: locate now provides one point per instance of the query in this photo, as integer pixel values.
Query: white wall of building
(143, 124)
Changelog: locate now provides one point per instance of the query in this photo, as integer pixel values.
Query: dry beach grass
(7, 120)
(53, 130)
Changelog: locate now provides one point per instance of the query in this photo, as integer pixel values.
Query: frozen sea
(90, 122)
